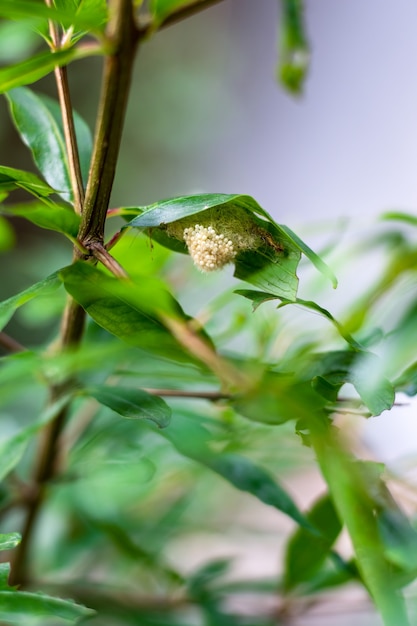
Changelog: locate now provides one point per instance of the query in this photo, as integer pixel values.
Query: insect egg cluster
(209, 250)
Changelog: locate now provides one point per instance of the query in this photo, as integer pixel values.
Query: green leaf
(259, 297)
(192, 440)
(18, 606)
(38, 66)
(132, 403)
(11, 179)
(42, 288)
(47, 215)
(38, 121)
(128, 310)
(265, 256)
(352, 488)
(400, 216)
(161, 9)
(278, 398)
(13, 448)
(364, 370)
(294, 59)
(9, 541)
(7, 237)
(306, 552)
(407, 381)
(311, 255)
(87, 15)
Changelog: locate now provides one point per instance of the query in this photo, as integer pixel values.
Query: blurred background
(206, 115)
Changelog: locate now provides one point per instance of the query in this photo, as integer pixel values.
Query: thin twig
(10, 344)
(102, 255)
(183, 393)
(61, 78)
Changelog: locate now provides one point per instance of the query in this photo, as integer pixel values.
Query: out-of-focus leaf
(9, 541)
(18, 606)
(294, 56)
(13, 448)
(87, 15)
(38, 66)
(7, 237)
(400, 216)
(17, 40)
(42, 288)
(407, 381)
(312, 256)
(278, 398)
(38, 121)
(11, 179)
(259, 297)
(4, 577)
(364, 370)
(126, 309)
(47, 215)
(192, 441)
(306, 552)
(352, 489)
(132, 403)
(161, 9)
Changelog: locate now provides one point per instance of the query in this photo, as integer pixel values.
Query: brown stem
(61, 78)
(102, 255)
(10, 344)
(183, 393)
(122, 34)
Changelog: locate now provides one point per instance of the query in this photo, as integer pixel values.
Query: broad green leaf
(264, 257)
(294, 58)
(278, 398)
(42, 288)
(126, 309)
(87, 15)
(47, 215)
(132, 403)
(191, 440)
(161, 9)
(38, 66)
(267, 254)
(38, 121)
(11, 179)
(364, 370)
(352, 492)
(306, 552)
(18, 606)
(9, 541)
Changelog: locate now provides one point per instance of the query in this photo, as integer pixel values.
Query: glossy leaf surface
(132, 403)
(38, 121)
(11, 179)
(48, 215)
(38, 66)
